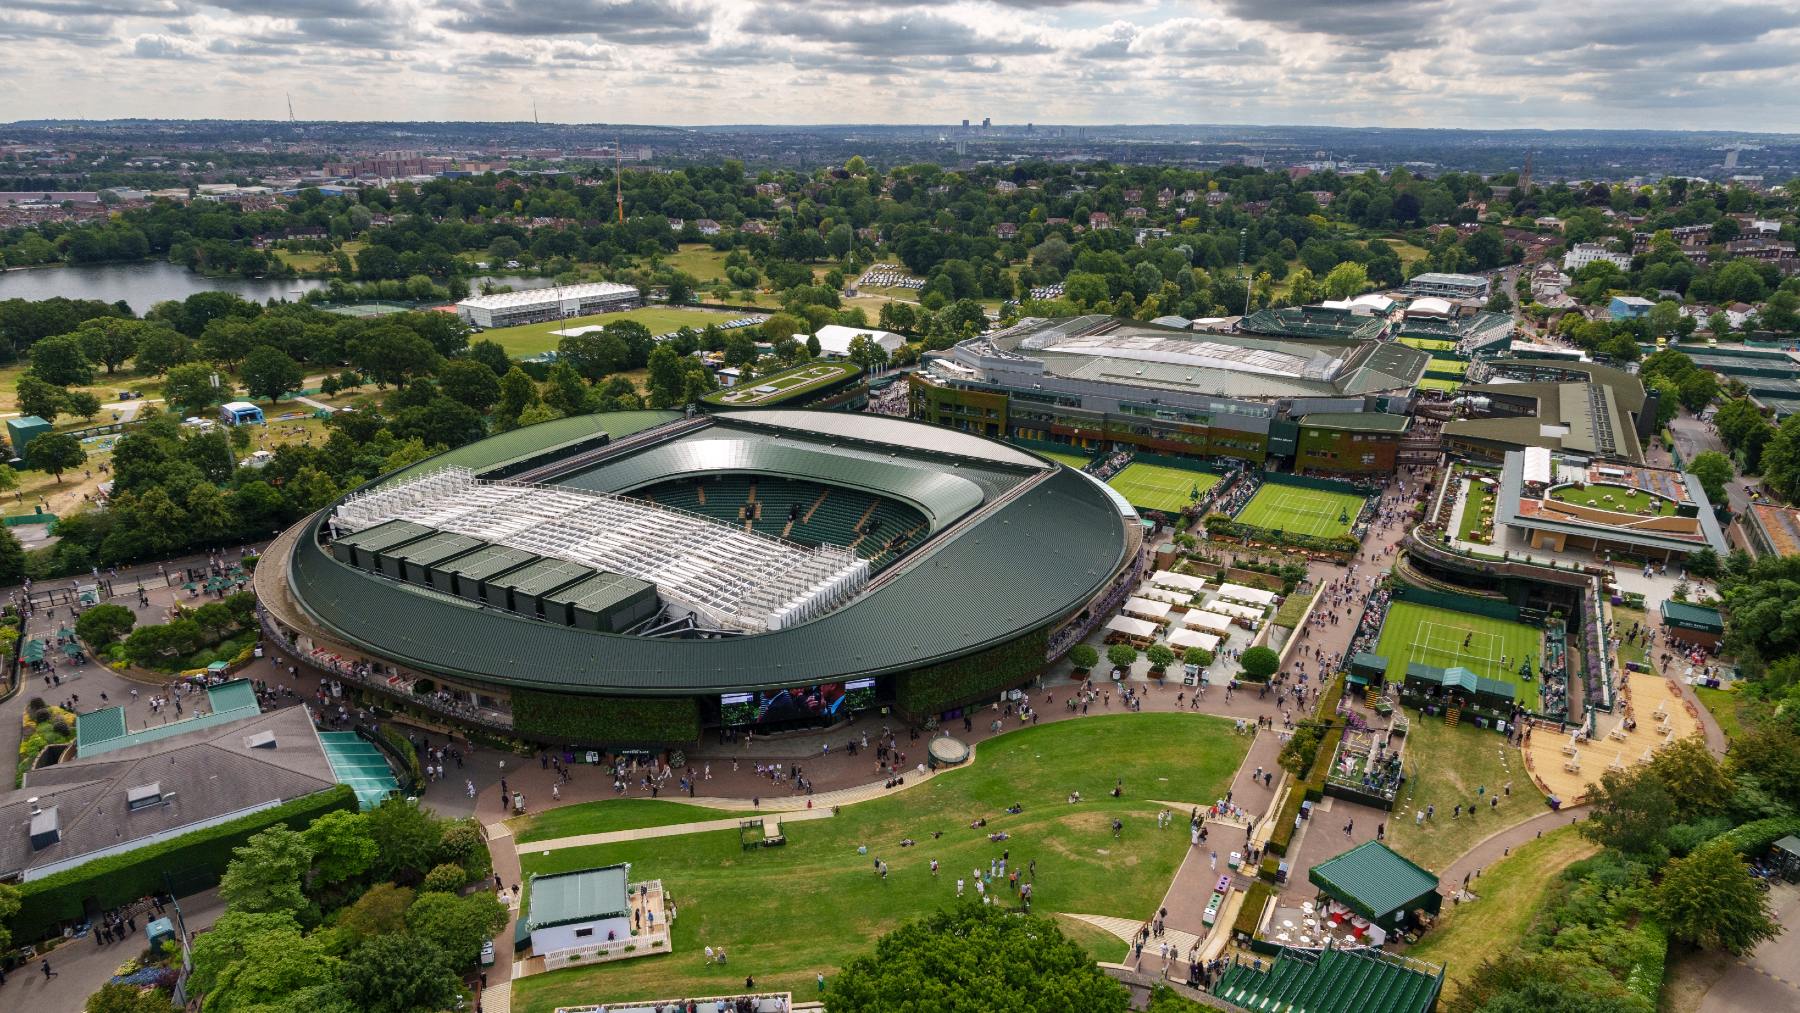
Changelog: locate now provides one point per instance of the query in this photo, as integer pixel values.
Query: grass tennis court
(1446, 639)
(1301, 511)
(1155, 487)
(1076, 461)
(530, 339)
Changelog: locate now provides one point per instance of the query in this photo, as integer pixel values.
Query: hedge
(1254, 899)
(605, 720)
(1646, 976)
(408, 754)
(1223, 527)
(938, 688)
(1756, 837)
(1314, 786)
(118, 879)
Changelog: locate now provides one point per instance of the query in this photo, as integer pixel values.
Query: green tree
(866, 352)
(1259, 663)
(266, 873)
(976, 958)
(1629, 812)
(406, 838)
(456, 925)
(161, 348)
(189, 388)
(444, 878)
(341, 847)
(1664, 317)
(83, 405)
(278, 971)
(12, 571)
(1122, 656)
(391, 353)
(1714, 470)
(1197, 656)
(399, 974)
(1160, 656)
(269, 372)
(56, 453)
(594, 354)
(110, 341)
(230, 939)
(9, 906)
(517, 393)
(105, 624)
(1084, 657)
(1710, 899)
(380, 911)
(40, 398)
(60, 360)
(1345, 280)
(471, 383)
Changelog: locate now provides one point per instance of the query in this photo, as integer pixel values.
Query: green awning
(32, 651)
(1358, 679)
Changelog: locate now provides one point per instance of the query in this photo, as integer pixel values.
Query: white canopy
(1184, 639)
(1130, 627)
(1178, 581)
(1240, 611)
(1144, 608)
(1247, 595)
(1198, 619)
(1179, 599)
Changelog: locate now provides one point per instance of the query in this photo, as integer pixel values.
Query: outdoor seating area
(1651, 713)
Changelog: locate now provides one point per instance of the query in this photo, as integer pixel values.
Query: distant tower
(619, 178)
(1525, 173)
(1731, 157)
(965, 124)
(986, 122)
(290, 99)
(534, 116)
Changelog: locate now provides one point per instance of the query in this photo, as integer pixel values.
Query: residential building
(1629, 307)
(1582, 254)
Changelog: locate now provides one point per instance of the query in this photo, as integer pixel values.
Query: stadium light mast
(619, 177)
(1243, 235)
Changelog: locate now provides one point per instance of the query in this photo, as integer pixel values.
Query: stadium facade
(1100, 383)
(633, 578)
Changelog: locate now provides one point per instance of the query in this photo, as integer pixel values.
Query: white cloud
(1455, 63)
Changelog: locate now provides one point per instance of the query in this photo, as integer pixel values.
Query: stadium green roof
(1334, 981)
(533, 441)
(1373, 880)
(788, 383)
(1039, 555)
(1460, 678)
(1362, 422)
(1693, 617)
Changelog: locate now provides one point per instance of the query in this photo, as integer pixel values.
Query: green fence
(1184, 463)
(30, 519)
(1312, 482)
(1459, 603)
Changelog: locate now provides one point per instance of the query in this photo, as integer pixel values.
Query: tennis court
(1299, 511)
(1155, 487)
(1447, 639)
(357, 763)
(1076, 461)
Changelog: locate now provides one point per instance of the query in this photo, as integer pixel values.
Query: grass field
(1444, 638)
(530, 339)
(1508, 896)
(608, 815)
(786, 914)
(1724, 704)
(1623, 499)
(1449, 766)
(1479, 497)
(1433, 383)
(1075, 461)
(700, 260)
(1428, 344)
(1155, 487)
(1455, 367)
(1301, 511)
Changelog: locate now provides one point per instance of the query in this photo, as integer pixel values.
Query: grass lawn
(1726, 709)
(1156, 487)
(1407, 251)
(1100, 944)
(1434, 383)
(1436, 636)
(1623, 618)
(787, 384)
(1479, 497)
(1444, 767)
(1627, 500)
(1301, 511)
(1293, 607)
(1429, 344)
(1076, 461)
(530, 339)
(1455, 367)
(785, 914)
(706, 264)
(1509, 895)
(609, 815)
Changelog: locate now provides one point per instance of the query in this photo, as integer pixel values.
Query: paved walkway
(1767, 978)
(650, 833)
(1497, 845)
(83, 965)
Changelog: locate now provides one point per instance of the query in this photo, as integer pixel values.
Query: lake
(144, 285)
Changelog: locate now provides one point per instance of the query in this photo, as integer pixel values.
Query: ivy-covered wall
(922, 692)
(605, 720)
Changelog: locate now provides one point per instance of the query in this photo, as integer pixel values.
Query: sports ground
(1156, 487)
(1299, 511)
(1436, 636)
(531, 339)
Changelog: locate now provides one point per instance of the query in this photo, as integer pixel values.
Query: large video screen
(824, 703)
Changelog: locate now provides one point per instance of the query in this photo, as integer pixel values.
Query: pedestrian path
(648, 833)
(497, 998)
(1127, 930)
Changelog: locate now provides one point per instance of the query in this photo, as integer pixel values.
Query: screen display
(823, 702)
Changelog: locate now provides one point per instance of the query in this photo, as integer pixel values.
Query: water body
(143, 285)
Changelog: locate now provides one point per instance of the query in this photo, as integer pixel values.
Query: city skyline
(1449, 63)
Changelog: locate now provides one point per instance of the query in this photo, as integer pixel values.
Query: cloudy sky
(1476, 63)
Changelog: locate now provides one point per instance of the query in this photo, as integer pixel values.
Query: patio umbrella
(33, 651)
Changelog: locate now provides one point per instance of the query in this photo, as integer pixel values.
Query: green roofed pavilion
(586, 895)
(103, 731)
(1378, 883)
